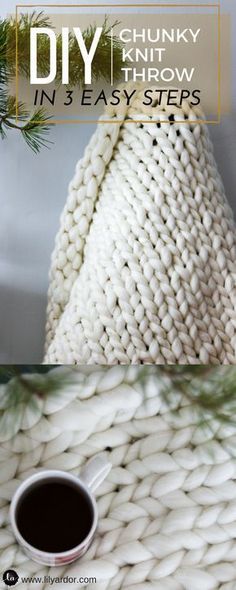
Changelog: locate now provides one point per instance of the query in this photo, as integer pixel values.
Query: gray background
(33, 193)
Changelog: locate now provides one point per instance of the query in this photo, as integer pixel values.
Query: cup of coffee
(54, 514)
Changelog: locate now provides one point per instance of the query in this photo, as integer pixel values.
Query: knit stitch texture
(167, 511)
(143, 270)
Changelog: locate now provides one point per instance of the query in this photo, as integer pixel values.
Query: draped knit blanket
(143, 269)
(167, 511)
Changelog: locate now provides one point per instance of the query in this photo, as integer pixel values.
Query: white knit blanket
(167, 511)
(144, 266)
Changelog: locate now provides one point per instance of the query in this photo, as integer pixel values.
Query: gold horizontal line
(120, 5)
(123, 6)
(81, 121)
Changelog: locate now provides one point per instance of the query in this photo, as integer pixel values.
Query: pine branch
(35, 127)
(4, 64)
(7, 372)
(24, 24)
(102, 58)
(211, 390)
(32, 126)
(23, 385)
(35, 130)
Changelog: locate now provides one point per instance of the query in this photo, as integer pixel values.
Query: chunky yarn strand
(143, 269)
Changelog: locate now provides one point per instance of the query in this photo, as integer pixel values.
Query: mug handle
(95, 472)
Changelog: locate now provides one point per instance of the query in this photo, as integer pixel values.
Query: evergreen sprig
(211, 390)
(102, 57)
(24, 24)
(34, 127)
(24, 390)
(7, 372)
(26, 384)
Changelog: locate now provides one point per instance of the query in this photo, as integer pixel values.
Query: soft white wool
(143, 269)
(167, 511)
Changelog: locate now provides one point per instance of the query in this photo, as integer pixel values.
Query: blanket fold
(143, 269)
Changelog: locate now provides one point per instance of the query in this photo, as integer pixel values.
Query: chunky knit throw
(143, 269)
(167, 511)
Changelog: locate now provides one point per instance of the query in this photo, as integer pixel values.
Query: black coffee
(54, 516)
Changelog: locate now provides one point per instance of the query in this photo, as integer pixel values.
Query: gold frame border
(149, 5)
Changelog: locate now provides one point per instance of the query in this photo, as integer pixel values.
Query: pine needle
(36, 125)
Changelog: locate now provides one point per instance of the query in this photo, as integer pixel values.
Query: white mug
(90, 478)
